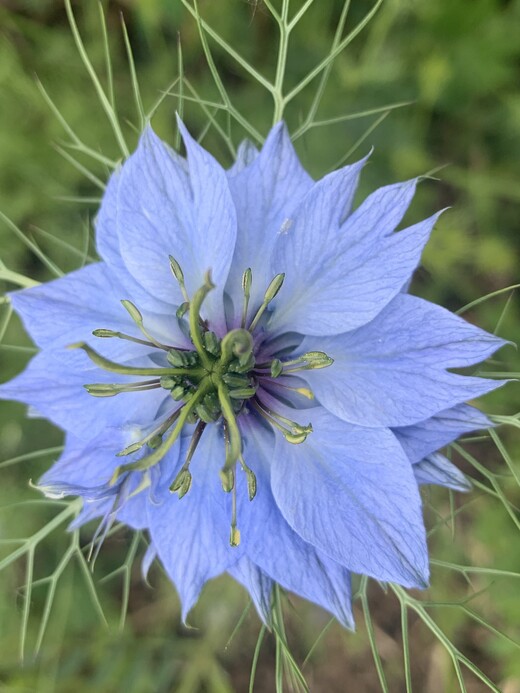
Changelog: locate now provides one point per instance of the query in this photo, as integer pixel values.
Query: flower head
(248, 378)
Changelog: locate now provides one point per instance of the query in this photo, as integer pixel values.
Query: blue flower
(251, 382)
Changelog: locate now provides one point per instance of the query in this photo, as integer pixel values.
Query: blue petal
(437, 469)
(426, 437)
(148, 558)
(265, 193)
(68, 309)
(187, 214)
(246, 154)
(338, 279)
(381, 212)
(107, 243)
(85, 469)
(351, 492)
(257, 583)
(53, 384)
(278, 550)
(392, 372)
(191, 534)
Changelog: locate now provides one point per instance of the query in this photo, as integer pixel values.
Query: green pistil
(195, 328)
(235, 440)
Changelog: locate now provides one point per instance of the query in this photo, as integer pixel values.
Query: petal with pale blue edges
(392, 372)
(107, 244)
(336, 280)
(425, 437)
(191, 534)
(277, 549)
(381, 212)
(350, 491)
(257, 583)
(187, 214)
(437, 469)
(246, 154)
(53, 383)
(265, 193)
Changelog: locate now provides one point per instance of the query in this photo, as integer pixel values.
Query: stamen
(296, 435)
(234, 537)
(304, 391)
(234, 448)
(136, 316)
(179, 276)
(236, 344)
(120, 335)
(113, 389)
(182, 482)
(273, 288)
(195, 331)
(156, 456)
(227, 476)
(251, 478)
(114, 367)
(247, 279)
(309, 361)
(156, 433)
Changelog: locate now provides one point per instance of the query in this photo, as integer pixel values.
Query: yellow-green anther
(137, 317)
(273, 288)
(227, 479)
(195, 331)
(234, 537)
(179, 276)
(133, 311)
(295, 438)
(113, 389)
(247, 280)
(114, 367)
(120, 335)
(243, 393)
(236, 344)
(234, 449)
(276, 368)
(182, 483)
(317, 359)
(251, 478)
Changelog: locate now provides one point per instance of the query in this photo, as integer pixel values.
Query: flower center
(213, 382)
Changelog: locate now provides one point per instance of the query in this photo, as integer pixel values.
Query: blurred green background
(458, 64)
